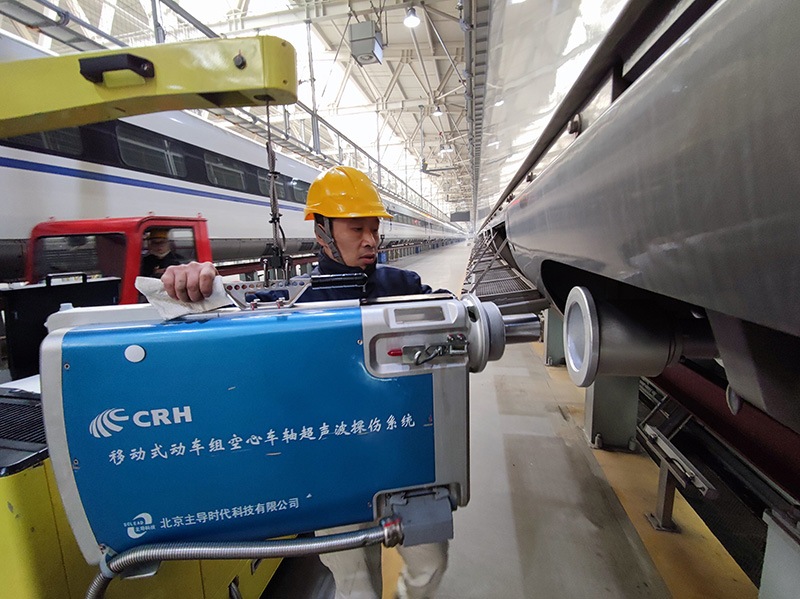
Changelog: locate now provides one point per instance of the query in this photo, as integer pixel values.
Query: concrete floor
(548, 522)
(543, 519)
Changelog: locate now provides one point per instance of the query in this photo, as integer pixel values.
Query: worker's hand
(189, 282)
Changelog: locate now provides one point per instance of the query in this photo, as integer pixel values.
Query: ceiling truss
(423, 70)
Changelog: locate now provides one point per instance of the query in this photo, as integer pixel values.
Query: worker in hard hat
(160, 254)
(346, 210)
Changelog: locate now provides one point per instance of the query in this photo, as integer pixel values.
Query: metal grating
(501, 287)
(496, 274)
(21, 420)
(498, 282)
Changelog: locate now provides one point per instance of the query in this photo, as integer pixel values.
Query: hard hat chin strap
(323, 227)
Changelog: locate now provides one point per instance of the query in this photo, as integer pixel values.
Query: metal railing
(297, 129)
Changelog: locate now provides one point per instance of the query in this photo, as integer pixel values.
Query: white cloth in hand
(168, 308)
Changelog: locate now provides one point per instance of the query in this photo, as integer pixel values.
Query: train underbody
(680, 203)
(666, 235)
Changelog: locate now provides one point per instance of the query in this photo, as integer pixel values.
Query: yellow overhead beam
(66, 91)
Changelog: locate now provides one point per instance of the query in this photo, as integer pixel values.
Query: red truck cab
(111, 247)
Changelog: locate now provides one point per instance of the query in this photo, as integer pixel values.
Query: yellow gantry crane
(41, 559)
(42, 94)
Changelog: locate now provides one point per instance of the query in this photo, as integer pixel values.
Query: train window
(263, 184)
(183, 242)
(299, 190)
(95, 255)
(149, 151)
(61, 141)
(166, 246)
(225, 172)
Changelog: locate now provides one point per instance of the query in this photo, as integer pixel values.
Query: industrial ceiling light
(437, 111)
(411, 20)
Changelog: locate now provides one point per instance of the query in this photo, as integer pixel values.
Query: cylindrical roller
(602, 339)
(491, 330)
(497, 330)
(522, 328)
(486, 338)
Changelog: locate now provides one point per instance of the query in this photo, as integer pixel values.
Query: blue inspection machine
(242, 425)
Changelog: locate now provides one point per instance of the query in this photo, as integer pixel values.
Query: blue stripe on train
(72, 172)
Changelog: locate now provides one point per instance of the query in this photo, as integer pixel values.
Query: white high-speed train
(171, 164)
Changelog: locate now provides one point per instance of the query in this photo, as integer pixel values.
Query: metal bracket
(674, 469)
(496, 255)
(238, 291)
(427, 516)
(456, 345)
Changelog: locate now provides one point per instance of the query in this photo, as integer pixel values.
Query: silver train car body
(683, 200)
(168, 164)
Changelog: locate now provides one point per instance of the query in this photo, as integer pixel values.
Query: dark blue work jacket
(382, 281)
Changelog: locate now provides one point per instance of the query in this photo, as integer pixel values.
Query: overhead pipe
(426, 9)
(65, 17)
(601, 338)
(189, 17)
(424, 70)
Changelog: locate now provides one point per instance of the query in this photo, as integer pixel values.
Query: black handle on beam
(93, 68)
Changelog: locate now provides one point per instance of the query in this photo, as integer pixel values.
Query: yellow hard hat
(153, 234)
(344, 192)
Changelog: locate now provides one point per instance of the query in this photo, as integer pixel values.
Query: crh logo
(106, 423)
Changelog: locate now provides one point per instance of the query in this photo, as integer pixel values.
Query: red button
(395, 352)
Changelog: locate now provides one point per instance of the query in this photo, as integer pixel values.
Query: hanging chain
(279, 260)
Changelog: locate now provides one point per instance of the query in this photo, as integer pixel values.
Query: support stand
(675, 469)
(553, 338)
(661, 519)
(610, 412)
(780, 577)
